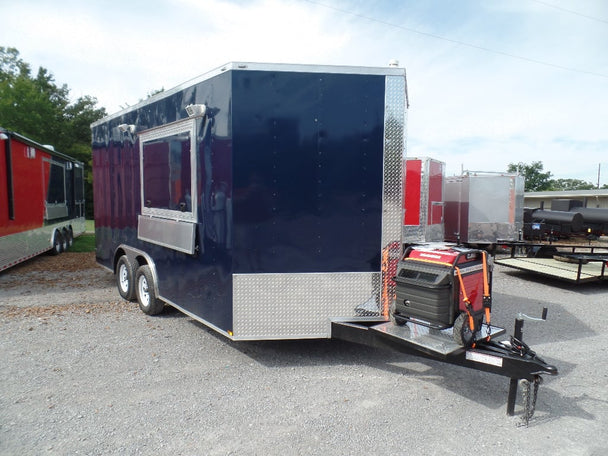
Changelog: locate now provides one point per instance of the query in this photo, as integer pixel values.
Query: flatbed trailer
(573, 264)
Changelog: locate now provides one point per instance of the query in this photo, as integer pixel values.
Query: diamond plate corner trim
(300, 305)
(392, 190)
(394, 154)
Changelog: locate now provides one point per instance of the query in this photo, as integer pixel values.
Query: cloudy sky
(491, 82)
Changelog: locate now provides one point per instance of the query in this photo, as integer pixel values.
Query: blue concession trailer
(263, 200)
(266, 202)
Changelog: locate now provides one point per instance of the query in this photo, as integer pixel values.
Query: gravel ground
(86, 373)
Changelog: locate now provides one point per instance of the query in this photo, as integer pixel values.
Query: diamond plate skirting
(298, 306)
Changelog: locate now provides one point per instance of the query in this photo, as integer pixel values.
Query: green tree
(535, 179)
(38, 108)
(571, 184)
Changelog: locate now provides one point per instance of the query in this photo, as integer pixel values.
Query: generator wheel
(393, 317)
(125, 280)
(146, 294)
(462, 331)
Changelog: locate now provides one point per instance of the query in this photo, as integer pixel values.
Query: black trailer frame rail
(512, 359)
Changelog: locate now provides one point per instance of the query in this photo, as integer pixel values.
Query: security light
(195, 110)
(123, 128)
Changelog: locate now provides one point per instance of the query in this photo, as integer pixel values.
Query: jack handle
(522, 316)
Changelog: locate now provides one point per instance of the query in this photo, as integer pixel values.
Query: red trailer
(423, 200)
(41, 199)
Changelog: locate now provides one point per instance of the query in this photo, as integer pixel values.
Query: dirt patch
(69, 262)
(70, 282)
(62, 310)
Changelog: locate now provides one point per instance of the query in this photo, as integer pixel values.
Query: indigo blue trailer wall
(269, 211)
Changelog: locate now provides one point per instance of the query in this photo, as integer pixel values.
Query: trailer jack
(529, 392)
(511, 358)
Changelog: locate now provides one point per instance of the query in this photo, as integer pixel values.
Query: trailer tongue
(512, 358)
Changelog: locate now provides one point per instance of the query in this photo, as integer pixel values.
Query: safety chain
(529, 399)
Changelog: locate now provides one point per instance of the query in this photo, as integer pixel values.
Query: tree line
(538, 180)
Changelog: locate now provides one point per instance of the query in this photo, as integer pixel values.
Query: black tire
(462, 331)
(70, 237)
(393, 317)
(125, 279)
(57, 244)
(146, 293)
(66, 241)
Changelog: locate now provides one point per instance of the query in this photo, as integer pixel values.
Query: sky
(490, 82)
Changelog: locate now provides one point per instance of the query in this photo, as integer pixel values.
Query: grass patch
(89, 226)
(83, 243)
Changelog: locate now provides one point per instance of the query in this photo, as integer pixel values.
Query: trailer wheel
(57, 244)
(67, 243)
(69, 234)
(462, 331)
(146, 296)
(125, 279)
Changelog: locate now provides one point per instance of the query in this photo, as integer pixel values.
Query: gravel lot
(86, 373)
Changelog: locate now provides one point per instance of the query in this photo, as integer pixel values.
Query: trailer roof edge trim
(31, 142)
(253, 66)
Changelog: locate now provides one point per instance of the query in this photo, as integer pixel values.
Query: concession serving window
(56, 202)
(168, 186)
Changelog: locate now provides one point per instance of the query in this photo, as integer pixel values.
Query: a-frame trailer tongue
(513, 358)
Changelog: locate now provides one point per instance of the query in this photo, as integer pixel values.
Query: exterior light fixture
(195, 110)
(123, 128)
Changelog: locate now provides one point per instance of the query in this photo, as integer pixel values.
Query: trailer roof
(44, 147)
(253, 66)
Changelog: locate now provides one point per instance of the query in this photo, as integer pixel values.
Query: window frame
(184, 126)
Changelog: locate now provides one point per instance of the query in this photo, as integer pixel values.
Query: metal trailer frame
(512, 359)
(41, 198)
(321, 149)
